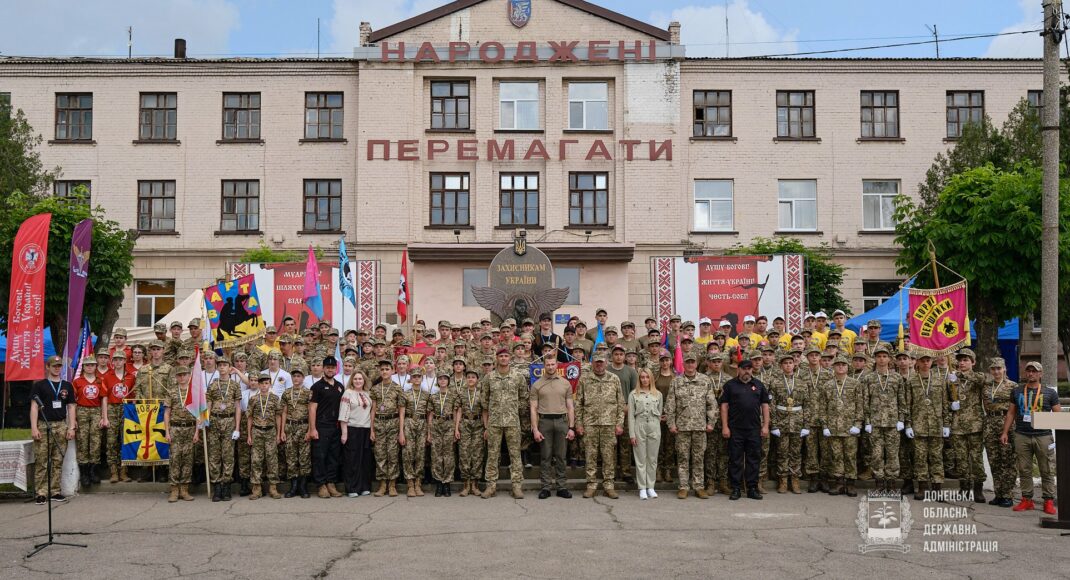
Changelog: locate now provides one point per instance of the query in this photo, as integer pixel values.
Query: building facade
(447, 133)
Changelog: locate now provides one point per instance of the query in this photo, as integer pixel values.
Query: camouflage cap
(827, 354)
(997, 363)
(185, 354)
(195, 322)
(350, 359)
(904, 353)
(841, 359)
(687, 324)
(275, 355)
(285, 339)
(183, 370)
(833, 331)
(599, 357)
(612, 329)
(103, 351)
(309, 332)
(690, 357)
(119, 355)
(119, 332)
(298, 340)
(966, 353)
(458, 359)
(223, 360)
(175, 323)
(332, 332)
(443, 323)
(240, 356)
(486, 336)
(504, 325)
(873, 323)
(785, 356)
(159, 327)
(416, 371)
(54, 359)
(527, 321)
(812, 350)
(767, 347)
(444, 373)
(754, 354)
(860, 355)
(881, 350)
(509, 321)
(297, 371)
(264, 377)
(208, 355)
(1034, 366)
(324, 323)
(271, 330)
(627, 324)
(675, 318)
(156, 344)
(89, 361)
(487, 361)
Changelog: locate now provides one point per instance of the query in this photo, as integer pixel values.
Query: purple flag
(81, 243)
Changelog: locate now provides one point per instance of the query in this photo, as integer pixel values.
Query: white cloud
(98, 27)
(702, 30)
(348, 14)
(1020, 45)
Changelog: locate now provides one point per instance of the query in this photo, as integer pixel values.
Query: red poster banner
(728, 288)
(290, 292)
(26, 305)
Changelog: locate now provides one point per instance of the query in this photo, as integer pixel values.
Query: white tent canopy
(190, 308)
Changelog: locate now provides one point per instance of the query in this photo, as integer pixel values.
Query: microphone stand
(48, 499)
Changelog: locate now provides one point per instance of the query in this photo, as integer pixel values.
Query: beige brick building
(208, 157)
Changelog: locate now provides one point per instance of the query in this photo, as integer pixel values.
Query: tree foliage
(823, 275)
(263, 254)
(20, 163)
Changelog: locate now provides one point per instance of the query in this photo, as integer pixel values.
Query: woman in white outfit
(644, 429)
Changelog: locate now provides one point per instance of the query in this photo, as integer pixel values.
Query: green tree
(263, 254)
(823, 275)
(20, 163)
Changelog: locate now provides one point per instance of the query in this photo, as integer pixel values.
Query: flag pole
(207, 464)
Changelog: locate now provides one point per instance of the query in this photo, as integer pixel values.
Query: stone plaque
(521, 284)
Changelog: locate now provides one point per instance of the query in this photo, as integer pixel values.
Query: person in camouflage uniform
(240, 373)
(468, 430)
(224, 407)
(521, 364)
(842, 424)
(600, 410)
(295, 402)
(154, 379)
(690, 409)
(928, 423)
(815, 449)
(182, 435)
(503, 390)
(715, 463)
(441, 433)
(886, 413)
(860, 365)
(173, 344)
(1001, 458)
(904, 366)
(389, 403)
(265, 422)
(967, 421)
(415, 427)
(790, 421)
(290, 360)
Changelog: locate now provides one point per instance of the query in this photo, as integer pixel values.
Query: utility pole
(726, 28)
(936, 37)
(129, 42)
(1049, 241)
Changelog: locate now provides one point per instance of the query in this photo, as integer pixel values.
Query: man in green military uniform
(415, 427)
(291, 360)
(265, 422)
(440, 432)
(842, 424)
(967, 421)
(792, 408)
(173, 344)
(715, 462)
(295, 437)
(860, 365)
(224, 408)
(469, 429)
(182, 434)
(1001, 458)
(928, 424)
(193, 342)
(886, 414)
(690, 408)
(814, 448)
(154, 379)
(600, 410)
(871, 339)
(503, 390)
(389, 405)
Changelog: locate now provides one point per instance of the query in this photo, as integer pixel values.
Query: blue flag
(345, 282)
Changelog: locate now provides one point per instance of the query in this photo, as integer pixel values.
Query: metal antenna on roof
(129, 42)
(726, 28)
(317, 38)
(936, 36)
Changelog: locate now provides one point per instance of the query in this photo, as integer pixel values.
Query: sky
(265, 28)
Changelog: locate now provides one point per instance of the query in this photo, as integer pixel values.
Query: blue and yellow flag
(234, 313)
(144, 434)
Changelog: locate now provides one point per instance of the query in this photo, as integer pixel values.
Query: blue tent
(49, 348)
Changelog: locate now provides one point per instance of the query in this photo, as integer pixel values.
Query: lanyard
(382, 394)
(992, 398)
(471, 401)
(929, 385)
(263, 404)
(56, 388)
(791, 387)
(417, 396)
(1038, 399)
(881, 381)
(441, 402)
(840, 388)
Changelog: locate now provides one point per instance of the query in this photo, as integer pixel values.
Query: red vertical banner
(290, 293)
(728, 288)
(26, 305)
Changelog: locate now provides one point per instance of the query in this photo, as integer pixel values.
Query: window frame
(150, 215)
(1039, 106)
(138, 296)
(574, 298)
(319, 108)
(793, 201)
(466, 189)
(584, 103)
(80, 111)
(969, 106)
(731, 199)
(466, 98)
(249, 109)
(862, 107)
(581, 206)
(537, 101)
(813, 114)
(330, 197)
(68, 185)
(525, 192)
(467, 296)
(223, 197)
(880, 199)
(879, 299)
(141, 109)
(706, 123)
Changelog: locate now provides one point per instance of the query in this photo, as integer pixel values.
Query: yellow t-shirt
(819, 339)
(847, 340)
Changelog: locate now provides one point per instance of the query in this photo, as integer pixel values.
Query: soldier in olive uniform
(600, 410)
(715, 462)
(224, 407)
(468, 427)
(904, 366)
(503, 390)
(182, 435)
(928, 423)
(792, 407)
(440, 432)
(967, 421)
(298, 454)
(173, 344)
(389, 404)
(291, 360)
(415, 443)
(690, 408)
(886, 414)
(842, 424)
(815, 449)
(154, 378)
(1001, 458)
(265, 423)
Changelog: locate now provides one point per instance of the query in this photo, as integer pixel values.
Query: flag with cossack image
(939, 319)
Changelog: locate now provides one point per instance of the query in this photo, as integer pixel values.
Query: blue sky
(288, 27)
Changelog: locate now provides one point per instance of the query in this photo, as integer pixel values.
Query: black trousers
(326, 454)
(744, 446)
(359, 465)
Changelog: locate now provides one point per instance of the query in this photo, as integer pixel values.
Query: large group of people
(715, 411)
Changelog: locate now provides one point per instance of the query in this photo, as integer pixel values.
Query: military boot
(782, 485)
(123, 475)
(590, 491)
(419, 488)
(938, 487)
(256, 492)
(293, 488)
(464, 490)
(392, 488)
(723, 487)
(217, 493)
(701, 493)
(323, 492)
(711, 488)
(795, 484)
(382, 489)
(183, 492)
(834, 488)
(410, 486)
(518, 492)
(978, 493)
(331, 489)
(682, 493)
(812, 486)
(491, 491)
(273, 491)
(225, 493)
(849, 490)
(908, 487)
(173, 496)
(114, 474)
(83, 475)
(302, 482)
(919, 493)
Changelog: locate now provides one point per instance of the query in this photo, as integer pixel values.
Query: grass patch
(14, 434)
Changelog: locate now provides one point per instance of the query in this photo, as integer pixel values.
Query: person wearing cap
(118, 385)
(247, 380)
(928, 424)
(223, 396)
(469, 431)
(294, 434)
(183, 433)
(264, 423)
(715, 462)
(323, 430)
(54, 398)
(744, 409)
(545, 334)
(690, 406)
(749, 322)
(847, 336)
(290, 360)
(387, 410)
(663, 375)
(859, 362)
(415, 441)
(160, 330)
(629, 379)
(705, 331)
(1030, 443)
(842, 424)
(581, 338)
(193, 341)
(904, 367)
(596, 334)
(967, 421)
(1002, 460)
(118, 343)
(600, 410)
(649, 323)
(815, 453)
(173, 343)
(504, 392)
(871, 340)
(92, 418)
(885, 417)
(553, 420)
(440, 434)
(627, 336)
(790, 421)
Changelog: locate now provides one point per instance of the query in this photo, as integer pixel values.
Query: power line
(900, 44)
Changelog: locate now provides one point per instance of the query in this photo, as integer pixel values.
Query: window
(153, 299)
(323, 205)
(713, 204)
(875, 292)
(241, 206)
(241, 116)
(156, 206)
(449, 199)
(1036, 99)
(472, 277)
(963, 107)
(519, 105)
(159, 117)
(5, 104)
(713, 114)
(588, 199)
(72, 189)
(323, 115)
(798, 204)
(588, 106)
(568, 278)
(449, 105)
(795, 114)
(519, 199)
(878, 204)
(74, 117)
(1037, 327)
(880, 114)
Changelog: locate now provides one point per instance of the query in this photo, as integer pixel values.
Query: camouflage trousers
(220, 449)
(667, 452)
(969, 457)
(625, 466)
(814, 453)
(180, 465)
(929, 459)
(89, 435)
(414, 451)
(245, 452)
(494, 451)
(884, 452)
(442, 449)
(715, 462)
(690, 458)
(763, 463)
(906, 456)
(600, 442)
(114, 435)
(265, 453)
(386, 448)
(471, 448)
(789, 455)
(843, 457)
(1001, 458)
(865, 450)
(42, 456)
(298, 451)
(526, 436)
